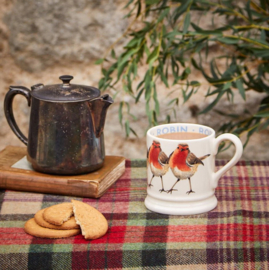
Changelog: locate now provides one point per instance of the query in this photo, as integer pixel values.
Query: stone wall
(41, 40)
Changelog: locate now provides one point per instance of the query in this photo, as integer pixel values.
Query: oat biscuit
(68, 225)
(32, 228)
(92, 223)
(59, 213)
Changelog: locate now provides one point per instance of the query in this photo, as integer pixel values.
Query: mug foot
(187, 207)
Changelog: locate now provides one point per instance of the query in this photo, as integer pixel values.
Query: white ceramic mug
(181, 172)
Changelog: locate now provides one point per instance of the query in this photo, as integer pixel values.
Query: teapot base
(65, 170)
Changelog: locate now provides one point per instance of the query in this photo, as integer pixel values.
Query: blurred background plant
(166, 37)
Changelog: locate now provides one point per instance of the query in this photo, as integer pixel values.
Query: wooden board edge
(116, 173)
(31, 181)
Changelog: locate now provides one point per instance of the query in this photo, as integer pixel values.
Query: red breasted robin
(183, 164)
(158, 162)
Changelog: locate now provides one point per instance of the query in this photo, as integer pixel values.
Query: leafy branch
(165, 36)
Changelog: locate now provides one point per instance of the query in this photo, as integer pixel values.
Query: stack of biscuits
(67, 219)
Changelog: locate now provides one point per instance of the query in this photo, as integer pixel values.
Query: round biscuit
(58, 214)
(68, 225)
(92, 222)
(32, 228)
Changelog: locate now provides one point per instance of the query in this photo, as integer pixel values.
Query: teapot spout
(99, 108)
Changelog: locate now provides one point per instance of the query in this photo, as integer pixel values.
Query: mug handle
(238, 153)
(14, 90)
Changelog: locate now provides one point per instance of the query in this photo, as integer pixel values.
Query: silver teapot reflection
(66, 126)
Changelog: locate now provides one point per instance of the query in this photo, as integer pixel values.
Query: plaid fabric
(235, 235)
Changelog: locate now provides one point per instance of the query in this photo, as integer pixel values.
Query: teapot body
(66, 126)
(62, 140)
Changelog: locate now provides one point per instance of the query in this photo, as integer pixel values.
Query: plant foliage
(165, 36)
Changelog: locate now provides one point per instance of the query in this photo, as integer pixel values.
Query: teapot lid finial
(66, 79)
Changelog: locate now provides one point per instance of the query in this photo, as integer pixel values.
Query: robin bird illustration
(158, 162)
(183, 163)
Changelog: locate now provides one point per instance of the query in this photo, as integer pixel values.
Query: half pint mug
(181, 168)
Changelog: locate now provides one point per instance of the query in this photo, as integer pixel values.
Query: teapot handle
(14, 90)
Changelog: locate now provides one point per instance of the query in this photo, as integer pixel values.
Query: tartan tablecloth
(233, 236)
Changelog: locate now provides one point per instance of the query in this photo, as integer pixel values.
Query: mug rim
(212, 135)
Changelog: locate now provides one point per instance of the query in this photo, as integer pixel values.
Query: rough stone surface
(45, 33)
(41, 40)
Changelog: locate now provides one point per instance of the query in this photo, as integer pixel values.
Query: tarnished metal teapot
(66, 126)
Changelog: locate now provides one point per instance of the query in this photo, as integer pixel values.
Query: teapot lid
(64, 92)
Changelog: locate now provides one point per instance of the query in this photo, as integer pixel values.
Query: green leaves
(228, 40)
(99, 61)
(153, 56)
(216, 32)
(186, 23)
(212, 104)
(239, 85)
(264, 113)
(181, 9)
(163, 14)
(151, 2)
(165, 45)
(126, 56)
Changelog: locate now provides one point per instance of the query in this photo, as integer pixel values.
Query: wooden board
(92, 185)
